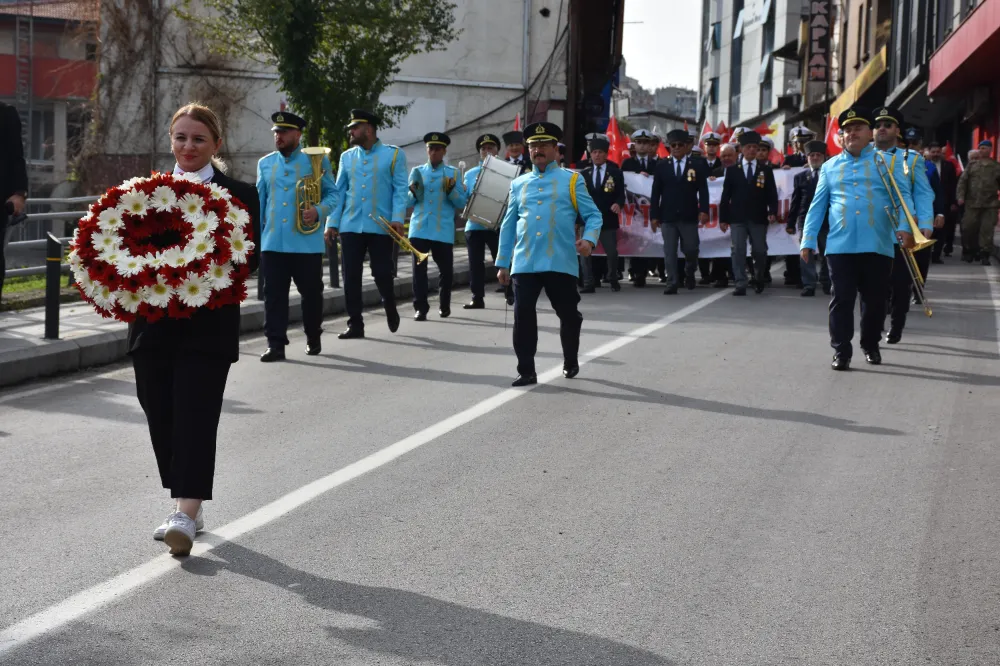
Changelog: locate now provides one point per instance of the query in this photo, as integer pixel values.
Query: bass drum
(488, 199)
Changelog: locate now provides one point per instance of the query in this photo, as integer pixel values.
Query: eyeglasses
(677, 145)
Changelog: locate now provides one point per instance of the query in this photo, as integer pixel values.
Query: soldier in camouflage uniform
(977, 191)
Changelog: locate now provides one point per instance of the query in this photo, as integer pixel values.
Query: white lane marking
(94, 597)
(993, 278)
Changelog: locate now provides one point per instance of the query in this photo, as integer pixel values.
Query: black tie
(678, 169)
(750, 171)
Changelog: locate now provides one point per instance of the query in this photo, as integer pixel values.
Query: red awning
(968, 57)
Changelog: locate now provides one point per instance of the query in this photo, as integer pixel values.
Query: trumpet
(309, 190)
(899, 206)
(402, 241)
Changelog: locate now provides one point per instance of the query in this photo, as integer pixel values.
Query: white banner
(636, 239)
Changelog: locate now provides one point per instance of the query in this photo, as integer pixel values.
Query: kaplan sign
(819, 40)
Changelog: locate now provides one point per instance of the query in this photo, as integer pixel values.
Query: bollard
(53, 273)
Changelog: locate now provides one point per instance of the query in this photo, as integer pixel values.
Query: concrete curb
(49, 358)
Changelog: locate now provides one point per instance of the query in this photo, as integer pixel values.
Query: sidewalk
(86, 339)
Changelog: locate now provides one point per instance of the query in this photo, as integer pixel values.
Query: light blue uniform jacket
(276, 178)
(434, 210)
(369, 182)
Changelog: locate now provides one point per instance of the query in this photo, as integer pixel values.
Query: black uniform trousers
(379, 249)
(3, 237)
(476, 242)
(564, 297)
(333, 256)
(443, 255)
(866, 274)
(280, 270)
(901, 288)
(181, 394)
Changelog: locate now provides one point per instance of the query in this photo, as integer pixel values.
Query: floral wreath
(162, 246)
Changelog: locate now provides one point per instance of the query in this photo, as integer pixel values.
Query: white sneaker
(199, 524)
(180, 533)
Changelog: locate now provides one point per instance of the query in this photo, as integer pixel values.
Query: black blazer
(795, 160)
(13, 170)
(523, 162)
(635, 166)
(712, 164)
(949, 184)
(802, 196)
(744, 202)
(676, 199)
(214, 333)
(603, 199)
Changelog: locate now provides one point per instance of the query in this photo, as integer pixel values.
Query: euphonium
(402, 241)
(309, 190)
(899, 206)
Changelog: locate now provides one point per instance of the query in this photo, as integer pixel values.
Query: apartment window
(713, 91)
(736, 62)
(43, 131)
(716, 36)
(90, 51)
(860, 37)
(870, 16)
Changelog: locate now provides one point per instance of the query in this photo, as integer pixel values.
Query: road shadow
(369, 367)
(933, 374)
(629, 393)
(948, 351)
(418, 628)
(431, 344)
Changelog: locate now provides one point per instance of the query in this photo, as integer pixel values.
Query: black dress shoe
(759, 288)
(873, 357)
(705, 281)
(571, 370)
(894, 336)
(615, 286)
(985, 261)
(475, 304)
(588, 290)
(808, 291)
(273, 354)
(670, 291)
(352, 333)
(419, 316)
(525, 380)
(720, 284)
(840, 362)
(392, 318)
(640, 282)
(444, 313)
(313, 347)
(689, 282)
(740, 291)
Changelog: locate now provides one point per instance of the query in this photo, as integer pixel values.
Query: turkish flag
(618, 141)
(517, 122)
(949, 155)
(833, 146)
(662, 152)
(723, 131)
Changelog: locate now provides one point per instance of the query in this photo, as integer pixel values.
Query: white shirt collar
(205, 174)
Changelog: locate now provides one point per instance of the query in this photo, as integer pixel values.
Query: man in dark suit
(13, 175)
(644, 163)
(802, 196)
(749, 202)
(948, 176)
(679, 201)
(515, 146)
(607, 188)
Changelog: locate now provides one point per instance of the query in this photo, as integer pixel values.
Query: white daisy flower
(73, 258)
(194, 291)
(206, 224)
(191, 205)
(103, 296)
(128, 266)
(82, 278)
(129, 300)
(219, 192)
(238, 217)
(111, 257)
(110, 220)
(163, 199)
(105, 242)
(159, 294)
(135, 202)
(200, 246)
(188, 175)
(241, 246)
(220, 276)
(132, 182)
(153, 260)
(175, 257)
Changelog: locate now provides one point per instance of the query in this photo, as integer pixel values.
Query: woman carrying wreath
(181, 364)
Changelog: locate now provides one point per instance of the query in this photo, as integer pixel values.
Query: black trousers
(181, 394)
(333, 256)
(564, 297)
(901, 288)
(379, 248)
(476, 243)
(443, 255)
(945, 236)
(866, 274)
(280, 270)
(3, 237)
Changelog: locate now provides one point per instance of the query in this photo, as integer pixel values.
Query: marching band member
(859, 246)
(538, 249)
(515, 147)
(436, 195)
(289, 255)
(887, 135)
(478, 237)
(607, 188)
(678, 203)
(181, 365)
(800, 136)
(802, 196)
(371, 180)
(749, 202)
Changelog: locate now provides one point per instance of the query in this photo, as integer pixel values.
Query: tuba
(899, 208)
(309, 190)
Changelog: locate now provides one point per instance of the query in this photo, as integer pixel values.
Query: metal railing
(50, 216)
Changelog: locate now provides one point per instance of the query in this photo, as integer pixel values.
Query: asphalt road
(707, 491)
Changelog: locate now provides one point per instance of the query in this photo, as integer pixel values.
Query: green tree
(331, 55)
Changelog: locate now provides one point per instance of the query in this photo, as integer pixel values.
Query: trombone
(897, 206)
(402, 241)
